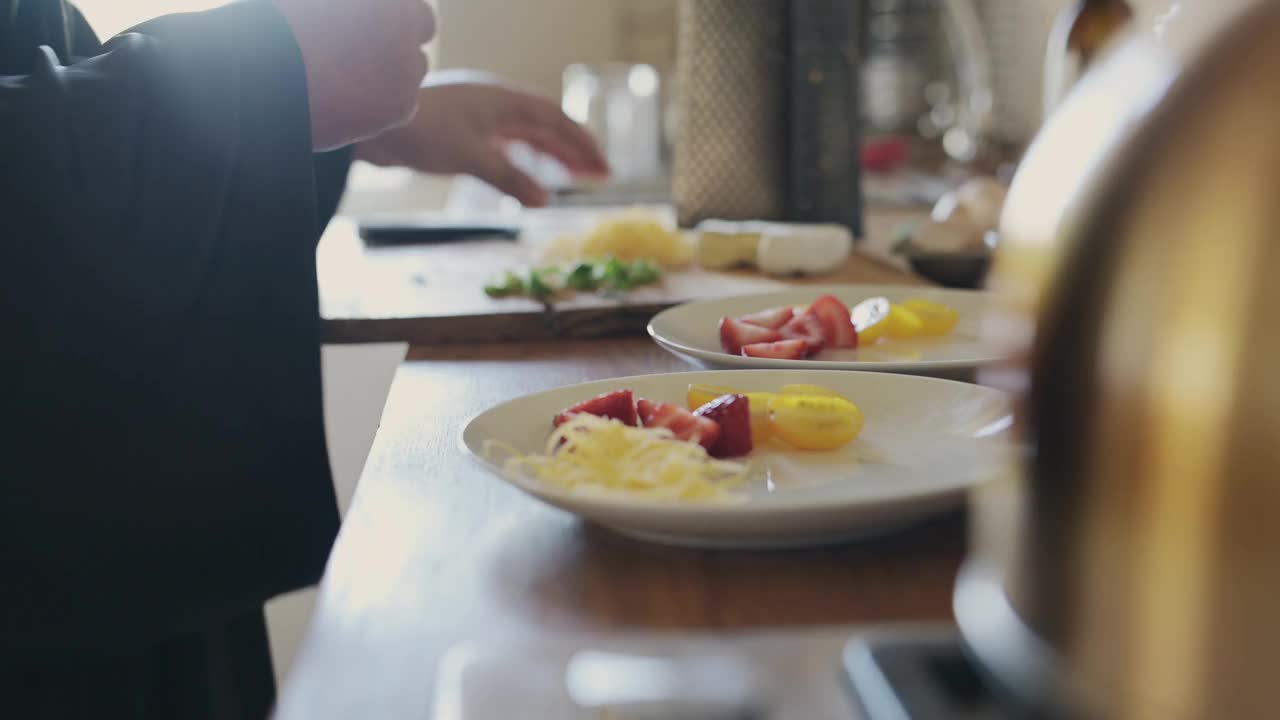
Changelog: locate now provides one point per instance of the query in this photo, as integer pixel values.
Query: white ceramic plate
(691, 331)
(925, 442)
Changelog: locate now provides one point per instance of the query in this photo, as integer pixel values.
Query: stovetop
(921, 674)
(905, 672)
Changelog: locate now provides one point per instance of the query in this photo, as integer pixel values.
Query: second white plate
(925, 442)
(691, 331)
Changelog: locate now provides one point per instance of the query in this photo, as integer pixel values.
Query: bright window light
(110, 17)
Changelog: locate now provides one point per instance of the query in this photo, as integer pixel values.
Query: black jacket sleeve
(163, 464)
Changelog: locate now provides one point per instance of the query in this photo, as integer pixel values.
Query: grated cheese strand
(589, 455)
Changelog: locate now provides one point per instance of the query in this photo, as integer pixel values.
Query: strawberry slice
(809, 328)
(780, 350)
(733, 414)
(884, 154)
(618, 405)
(837, 324)
(773, 318)
(682, 423)
(734, 334)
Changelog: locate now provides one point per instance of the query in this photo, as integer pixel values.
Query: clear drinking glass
(621, 104)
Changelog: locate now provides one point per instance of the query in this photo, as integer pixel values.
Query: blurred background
(533, 43)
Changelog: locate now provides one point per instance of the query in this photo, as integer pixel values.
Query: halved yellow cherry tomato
(757, 402)
(935, 318)
(761, 420)
(923, 304)
(872, 333)
(815, 422)
(902, 323)
(868, 319)
(810, 390)
(700, 395)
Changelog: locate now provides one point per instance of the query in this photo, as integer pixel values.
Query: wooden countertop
(434, 550)
(431, 294)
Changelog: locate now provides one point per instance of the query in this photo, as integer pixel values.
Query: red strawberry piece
(836, 321)
(884, 154)
(773, 318)
(808, 328)
(735, 333)
(618, 405)
(733, 414)
(682, 423)
(780, 350)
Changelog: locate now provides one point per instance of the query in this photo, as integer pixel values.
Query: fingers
(493, 167)
(545, 141)
(546, 127)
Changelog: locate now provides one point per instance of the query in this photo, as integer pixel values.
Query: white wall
(528, 42)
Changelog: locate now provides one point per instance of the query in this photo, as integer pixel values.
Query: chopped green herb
(508, 284)
(581, 277)
(614, 275)
(537, 287)
(644, 272)
(606, 274)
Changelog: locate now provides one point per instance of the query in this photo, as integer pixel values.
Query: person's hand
(364, 63)
(464, 124)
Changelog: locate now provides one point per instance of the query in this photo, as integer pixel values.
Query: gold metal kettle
(1129, 567)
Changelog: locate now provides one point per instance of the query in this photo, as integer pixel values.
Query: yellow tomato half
(757, 403)
(872, 333)
(815, 422)
(761, 420)
(810, 390)
(902, 323)
(700, 395)
(935, 318)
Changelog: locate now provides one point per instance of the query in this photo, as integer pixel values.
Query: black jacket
(162, 457)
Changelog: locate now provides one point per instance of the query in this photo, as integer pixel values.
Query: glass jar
(1082, 31)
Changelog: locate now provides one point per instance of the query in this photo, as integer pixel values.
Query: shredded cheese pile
(628, 236)
(604, 457)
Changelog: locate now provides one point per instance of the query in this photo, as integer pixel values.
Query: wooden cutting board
(434, 293)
